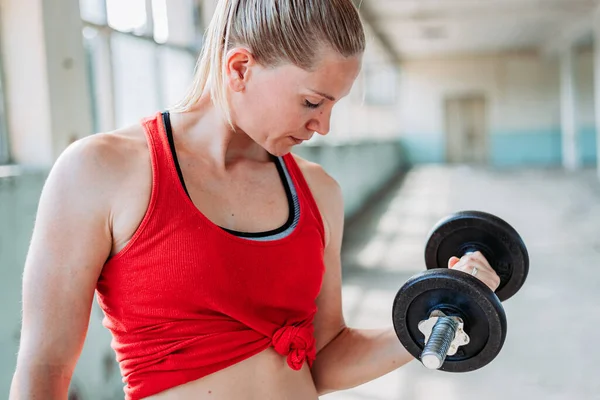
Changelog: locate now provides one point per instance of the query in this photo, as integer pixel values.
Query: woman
(214, 252)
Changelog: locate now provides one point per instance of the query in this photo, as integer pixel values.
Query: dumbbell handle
(443, 333)
(436, 348)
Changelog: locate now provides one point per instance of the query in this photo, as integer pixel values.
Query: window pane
(181, 21)
(160, 20)
(176, 70)
(90, 37)
(135, 79)
(93, 11)
(97, 49)
(127, 16)
(4, 155)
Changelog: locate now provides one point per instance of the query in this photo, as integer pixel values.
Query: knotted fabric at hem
(297, 343)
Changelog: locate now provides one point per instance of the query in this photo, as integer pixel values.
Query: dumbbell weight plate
(496, 239)
(456, 294)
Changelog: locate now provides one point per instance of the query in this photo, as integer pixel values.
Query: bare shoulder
(104, 154)
(107, 176)
(101, 163)
(321, 183)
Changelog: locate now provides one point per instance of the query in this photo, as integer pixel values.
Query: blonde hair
(276, 32)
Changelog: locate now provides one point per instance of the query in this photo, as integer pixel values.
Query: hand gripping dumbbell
(448, 319)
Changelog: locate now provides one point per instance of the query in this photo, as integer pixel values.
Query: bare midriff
(265, 376)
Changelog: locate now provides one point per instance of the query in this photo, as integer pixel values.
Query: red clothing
(185, 298)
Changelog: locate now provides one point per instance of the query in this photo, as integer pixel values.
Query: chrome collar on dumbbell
(447, 338)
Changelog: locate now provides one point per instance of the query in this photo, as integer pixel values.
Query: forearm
(357, 356)
(38, 382)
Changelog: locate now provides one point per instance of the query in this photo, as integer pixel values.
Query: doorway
(466, 129)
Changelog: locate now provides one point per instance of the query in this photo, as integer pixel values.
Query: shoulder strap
(304, 191)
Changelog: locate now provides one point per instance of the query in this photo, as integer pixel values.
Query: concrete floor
(551, 350)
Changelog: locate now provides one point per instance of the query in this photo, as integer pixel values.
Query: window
(141, 56)
(93, 11)
(128, 16)
(134, 74)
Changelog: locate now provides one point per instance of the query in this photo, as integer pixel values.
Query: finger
(466, 264)
(479, 257)
(484, 273)
(471, 261)
(478, 260)
(459, 264)
(489, 278)
(452, 261)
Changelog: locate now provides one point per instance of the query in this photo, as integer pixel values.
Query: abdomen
(265, 376)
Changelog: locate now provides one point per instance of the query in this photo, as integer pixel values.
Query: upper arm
(71, 240)
(329, 320)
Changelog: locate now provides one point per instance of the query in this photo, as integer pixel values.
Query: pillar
(570, 157)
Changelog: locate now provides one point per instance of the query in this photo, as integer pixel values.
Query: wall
(18, 204)
(361, 168)
(523, 96)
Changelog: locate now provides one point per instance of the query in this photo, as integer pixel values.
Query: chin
(279, 151)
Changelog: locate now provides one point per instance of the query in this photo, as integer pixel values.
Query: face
(283, 106)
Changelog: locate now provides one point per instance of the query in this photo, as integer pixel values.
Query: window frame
(5, 153)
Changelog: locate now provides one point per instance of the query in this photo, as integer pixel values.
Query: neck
(204, 131)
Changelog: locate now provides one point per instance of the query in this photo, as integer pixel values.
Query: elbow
(329, 373)
(331, 384)
(323, 387)
(32, 379)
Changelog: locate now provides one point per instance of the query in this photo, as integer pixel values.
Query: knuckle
(469, 258)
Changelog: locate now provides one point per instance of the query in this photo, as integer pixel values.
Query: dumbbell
(448, 319)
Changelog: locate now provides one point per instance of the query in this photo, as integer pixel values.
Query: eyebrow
(328, 97)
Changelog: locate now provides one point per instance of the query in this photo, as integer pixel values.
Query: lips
(297, 140)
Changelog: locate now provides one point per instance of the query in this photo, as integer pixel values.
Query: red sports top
(185, 298)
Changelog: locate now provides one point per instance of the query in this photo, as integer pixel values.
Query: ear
(238, 68)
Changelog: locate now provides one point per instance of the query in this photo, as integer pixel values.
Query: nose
(320, 124)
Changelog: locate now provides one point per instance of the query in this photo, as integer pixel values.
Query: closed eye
(311, 105)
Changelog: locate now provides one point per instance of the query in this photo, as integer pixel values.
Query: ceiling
(426, 28)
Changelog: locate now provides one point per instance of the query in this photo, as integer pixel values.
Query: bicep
(69, 245)
(329, 320)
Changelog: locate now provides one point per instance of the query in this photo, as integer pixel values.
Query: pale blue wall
(508, 149)
(526, 148)
(588, 148)
(360, 168)
(424, 148)
(18, 204)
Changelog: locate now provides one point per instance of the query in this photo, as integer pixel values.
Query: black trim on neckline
(292, 211)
